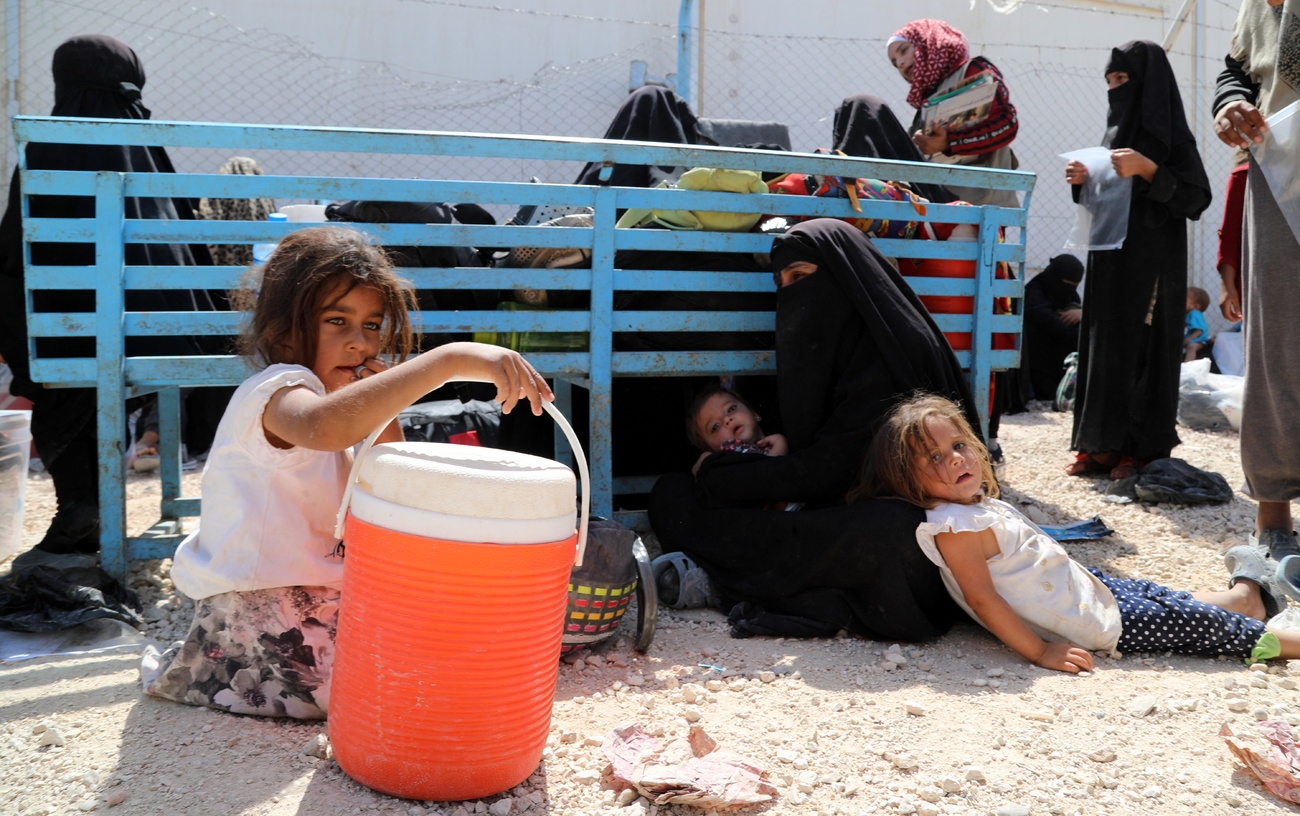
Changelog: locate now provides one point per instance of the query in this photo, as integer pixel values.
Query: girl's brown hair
(891, 467)
(309, 269)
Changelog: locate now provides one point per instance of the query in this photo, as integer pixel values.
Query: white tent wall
(562, 66)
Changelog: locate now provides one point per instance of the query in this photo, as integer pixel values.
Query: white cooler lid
(462, 480)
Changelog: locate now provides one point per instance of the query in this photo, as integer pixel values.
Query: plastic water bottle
(262, 251)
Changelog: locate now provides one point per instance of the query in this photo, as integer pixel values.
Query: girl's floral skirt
(267, 652)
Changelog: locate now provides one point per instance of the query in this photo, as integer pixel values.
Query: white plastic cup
(305, 212)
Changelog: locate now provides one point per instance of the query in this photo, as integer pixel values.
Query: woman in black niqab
(101, 77)
(852, 340)
(1130, 338)
(1051, 298)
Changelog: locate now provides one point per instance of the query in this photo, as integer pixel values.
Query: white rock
(926, 809)
(319, 747)
(786, 756)
(52, 736)
(975, 775)
(116, 798)
(1260, 713)
(634, 680)
(949, 784)
(1103, 755)
(569, 737)
(1236, 704)
(1012, 810)
(1259, 667)
(626, 797)
(904, 762)
(1287, 683)
(766, 677)
(715, 685)
(1258, 681)
(995, 672)
(501, 807)
(1152, 792)
(1142, 706)
(930, 794)
(692, 714)
(915, 709)
(1041, 716)
(587, 777)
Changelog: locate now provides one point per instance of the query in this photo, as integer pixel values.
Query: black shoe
(75, 529)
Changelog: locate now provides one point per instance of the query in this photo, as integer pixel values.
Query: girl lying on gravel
(1022, 586)
(327, 305)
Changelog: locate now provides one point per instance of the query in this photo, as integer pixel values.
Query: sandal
(679, 582)
(1128, 466)
(1245, 562)
(1090, 463)
(143, 460)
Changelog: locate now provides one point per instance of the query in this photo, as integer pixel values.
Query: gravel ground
(960, 725)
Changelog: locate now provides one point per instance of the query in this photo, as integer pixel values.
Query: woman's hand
(774, 444)
(1071, 317)
(1128, 162)
(695, 468)
(1075, 172)
(1240, 124)
(1229, 297)
(931, 143)
(1064, 657)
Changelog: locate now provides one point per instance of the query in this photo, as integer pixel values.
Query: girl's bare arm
(340, 419)
(964, 554)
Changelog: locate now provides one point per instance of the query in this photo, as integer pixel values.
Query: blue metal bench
(117, 376)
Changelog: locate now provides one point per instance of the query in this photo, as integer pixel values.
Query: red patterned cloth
(939, 48)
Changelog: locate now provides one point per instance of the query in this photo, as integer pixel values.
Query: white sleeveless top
(1052, 593)
(267, 513)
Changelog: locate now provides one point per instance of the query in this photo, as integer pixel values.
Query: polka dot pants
(1159, 619)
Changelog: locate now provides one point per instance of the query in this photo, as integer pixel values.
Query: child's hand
(1240, 124)
(774, 444)
(513, 376)
(369, 368)
(1064, 657)
(1128, 162)
(931, 143)
(1075, 172)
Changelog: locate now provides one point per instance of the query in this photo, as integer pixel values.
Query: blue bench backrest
(117, 376)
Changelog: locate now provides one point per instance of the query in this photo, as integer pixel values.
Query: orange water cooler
(456, 569)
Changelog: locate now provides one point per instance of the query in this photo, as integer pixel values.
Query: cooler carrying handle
(578, 455)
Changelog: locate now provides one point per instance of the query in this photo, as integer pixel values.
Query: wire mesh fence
(203, 65)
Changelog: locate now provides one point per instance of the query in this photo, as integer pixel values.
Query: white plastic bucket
(15, 444)
(304, 212)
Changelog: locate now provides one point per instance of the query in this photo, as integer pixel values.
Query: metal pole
(1177, 24)
(1199, 114)
(13, 74)
(684, 40)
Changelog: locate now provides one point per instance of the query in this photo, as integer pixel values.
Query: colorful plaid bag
(856, 190)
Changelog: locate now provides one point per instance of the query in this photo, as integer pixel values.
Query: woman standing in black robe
(1052, 315)
(1134, 302)
(101, 77)
(852, 339)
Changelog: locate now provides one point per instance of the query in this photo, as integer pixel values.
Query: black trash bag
(62, 592)
(440, 420)
(1176, 482)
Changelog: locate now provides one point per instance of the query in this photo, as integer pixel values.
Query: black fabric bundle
(866, 127)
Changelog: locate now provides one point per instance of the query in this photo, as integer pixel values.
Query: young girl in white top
(327, 308)
(1021, 585)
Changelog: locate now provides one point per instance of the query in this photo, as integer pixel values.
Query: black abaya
(852, 340)
(1048, 339)
(1130, 339)
(95, 76)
